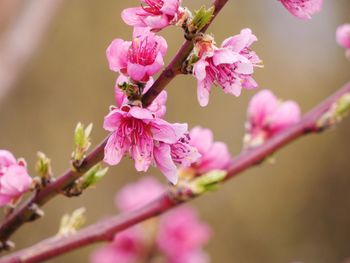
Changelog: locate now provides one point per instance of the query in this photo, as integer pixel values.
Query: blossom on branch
(155, 14)
(231, 66)
(14, 178)
(267, 116)
(215, 155)
(343, 38)
(303, 9)
(140, 58)
(147, 138)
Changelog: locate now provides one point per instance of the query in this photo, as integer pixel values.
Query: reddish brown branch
(24, 213)
(105, 230)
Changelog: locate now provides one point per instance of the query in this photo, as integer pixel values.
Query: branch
(25, 213)
(105, 230)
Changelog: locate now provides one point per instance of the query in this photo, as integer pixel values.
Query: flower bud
(82, 143)
(70, 224)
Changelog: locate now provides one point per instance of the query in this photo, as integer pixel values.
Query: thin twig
(24, 213)
(105, 230)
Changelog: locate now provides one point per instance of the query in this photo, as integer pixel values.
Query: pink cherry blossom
(158, 105)
(267, 116)
(303, 9)
(140, 58)
(181, 233)
(156, 14)
(231, 66)
(147, 138)
(215, 155)
(343, 38)
(14, 178)
(136, 195)
(127, 247)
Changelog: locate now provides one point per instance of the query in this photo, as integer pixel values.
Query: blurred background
(54, 74)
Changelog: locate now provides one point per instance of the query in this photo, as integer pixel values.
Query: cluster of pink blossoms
(303, 9)
(343, 38)
(14, 178)
(177, 237)
(231, 66)
(141, 132)
(268, 116)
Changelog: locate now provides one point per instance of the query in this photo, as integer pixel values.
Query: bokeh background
(296, 210)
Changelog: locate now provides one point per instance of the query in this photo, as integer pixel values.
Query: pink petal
(6, 158)
(117, 53)
(115, 149)
(137, 72)
(163, 131)
(113, 120)
(141, 113)
(287, 114)
(134, 16)
(162, 157)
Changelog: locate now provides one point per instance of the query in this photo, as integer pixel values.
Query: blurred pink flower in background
(177, 237)
(343, 38)
(14, 178)
(181, 233)
(303, 9)
(140, 58)
(128, 246)
(138, 194)
(155, 14)
(267, 116)
(231, 66)
(215, 155)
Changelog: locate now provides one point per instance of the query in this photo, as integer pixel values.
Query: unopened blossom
(303, 9)
(136, 195)
(14, 178)
(181, 233)
(215, 155)
(343, 37)
(145, 137)
(155, 14)
(128, 246)
(140, 58)
(267, 116)
(231, 66)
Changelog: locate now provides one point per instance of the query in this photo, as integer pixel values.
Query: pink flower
(127, 247)
(303, 9)
(215, 155)
(156, 14)
(138, 194)
(230, 67)
(181, 233)
(268, 116)
(343, 38)
(147, 138)
(14, 178)
(139, 59)
(158, 106)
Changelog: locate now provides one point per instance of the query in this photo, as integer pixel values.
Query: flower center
(153, 6)
(143, 51)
